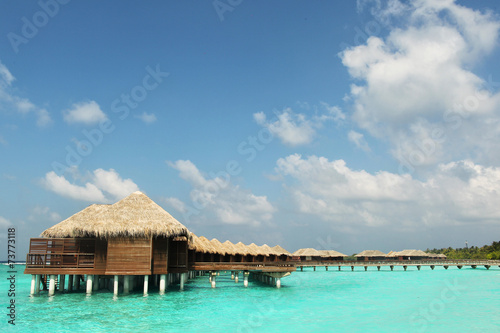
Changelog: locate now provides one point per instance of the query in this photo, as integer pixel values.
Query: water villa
(134, 242)
(370, 255)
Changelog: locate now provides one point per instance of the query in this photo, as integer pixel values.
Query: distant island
(491, 252)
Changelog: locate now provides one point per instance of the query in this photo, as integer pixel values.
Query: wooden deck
(272, 266)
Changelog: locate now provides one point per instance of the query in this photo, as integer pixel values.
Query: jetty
(134, 244)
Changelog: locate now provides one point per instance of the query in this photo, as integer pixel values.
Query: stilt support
(445, 267)
(115, 285)
(236, 277)
(418, 267)
(126, 284)
(405, 267)
(245, 278)
(33, 284)
(146, 284)
(37, 284)
(70, 282)
(378, 268)
(163, 279)
(213, 279)
(432, 267)
(366, 268)
(278, 283)
(392, 267)
(52, 285)
(352, 268)
(90, 279)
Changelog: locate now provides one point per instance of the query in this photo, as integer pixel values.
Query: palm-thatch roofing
(230, 248)
(244, 250)
(371, 253)
(280, 251)
(331, 253)
(410, 253)
(257, 250)
(200, 244)
(267, 250)
(134, 216)
(217, 245)
(308, 252)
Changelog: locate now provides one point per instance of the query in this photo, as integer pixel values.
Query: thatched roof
(230, 248)
(371, 253)
(307, 252)
(207, 245)
(217, 245)
(136, 216)
(278, 249)
(331, 253)
(409, 253)
(244, 250)
(257, 250)
(267, 250)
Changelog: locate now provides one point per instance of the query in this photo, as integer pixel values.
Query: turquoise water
(452, 300)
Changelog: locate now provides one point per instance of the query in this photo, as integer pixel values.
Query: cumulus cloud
(40, 212)
(416, 87)
(147, 118)
(102, 186)
(4, 223)
(87, 113)
(10, 101)
(218, 197)
(294, 129)
(359, 140)
(458, 193)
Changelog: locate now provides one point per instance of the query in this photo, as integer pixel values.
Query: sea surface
(439, 300)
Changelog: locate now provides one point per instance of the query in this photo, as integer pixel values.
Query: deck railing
(401, 262)
(60, 260)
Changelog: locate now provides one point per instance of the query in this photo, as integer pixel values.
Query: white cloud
(228, 203)
(147, 118)
(111, 182)
(103, 186)
(417, 82)
(21, 105)
(87, 113)
(458, 193)
(44, 212)
(359, 140)
(294, 129)
(4, 223)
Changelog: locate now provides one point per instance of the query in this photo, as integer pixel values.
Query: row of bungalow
(313, 255)
(135, 241)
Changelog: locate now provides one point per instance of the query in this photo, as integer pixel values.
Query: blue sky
(333, 125)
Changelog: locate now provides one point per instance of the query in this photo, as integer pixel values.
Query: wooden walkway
(459, 263)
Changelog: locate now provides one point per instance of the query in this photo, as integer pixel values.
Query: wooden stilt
(163, 281)
(146, 284)
(115, 285)
(37, 284)
(33, 284)
(52, 285)
(70, 282)
(126, 284)
(90, 279)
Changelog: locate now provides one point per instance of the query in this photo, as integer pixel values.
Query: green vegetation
(486, 252)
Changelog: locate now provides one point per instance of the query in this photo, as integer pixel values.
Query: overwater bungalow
(129, 243)
(331, 255)
(408, 255)
(308, 254)
(371, 255)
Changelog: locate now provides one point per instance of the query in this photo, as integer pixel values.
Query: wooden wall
(129, 256)
(160, 255)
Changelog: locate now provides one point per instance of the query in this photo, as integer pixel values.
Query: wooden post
(62, 282)
(352, 268)
(146, 284)
(70, 282)
(232, 275)
(405, 267)
(163, 278)
(392, 267)
(418, 267)
(90, 278)
(52, 285)
(183, 280)
(213, 279)
(245, 278)
(115, 285)
(278, 283)
(33, 284)
(76, 282)
(339, 268)
(236, 277)
(95, 282)
(126, 284)
(366, 268)
(378, 268)
(37, 284)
